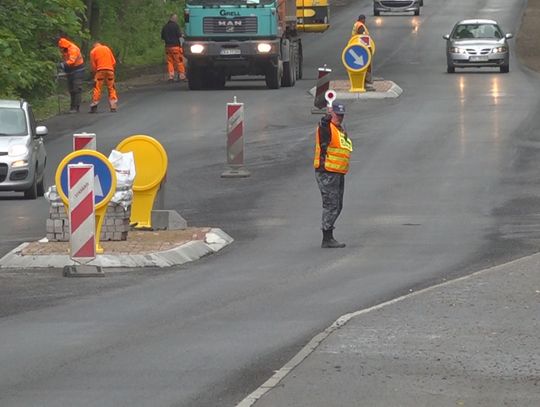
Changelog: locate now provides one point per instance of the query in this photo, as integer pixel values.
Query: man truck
(248, 37)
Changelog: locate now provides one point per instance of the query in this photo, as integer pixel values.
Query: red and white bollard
(323, 84)
(82, 219)
(84, 141)
(235, 141)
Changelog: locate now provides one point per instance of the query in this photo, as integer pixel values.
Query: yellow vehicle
(312, 15)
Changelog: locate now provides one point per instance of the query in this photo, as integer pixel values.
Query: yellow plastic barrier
(151, 168)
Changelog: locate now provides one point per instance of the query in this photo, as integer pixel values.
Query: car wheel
(32, 192)
(450, 69)
(505, 68)
(41, 186)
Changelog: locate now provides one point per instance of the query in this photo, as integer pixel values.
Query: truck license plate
(230, 51)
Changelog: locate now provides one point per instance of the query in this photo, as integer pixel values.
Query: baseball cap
(338, 108)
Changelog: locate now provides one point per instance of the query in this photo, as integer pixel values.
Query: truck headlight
(197, 49)
(264, 48)
(17, 150)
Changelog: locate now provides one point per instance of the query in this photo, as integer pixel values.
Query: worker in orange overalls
(359, 27)
(103, 65)
(171, 34)
(73, 66)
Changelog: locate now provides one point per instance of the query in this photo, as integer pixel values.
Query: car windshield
(471, 31)
(228, 2)
(12, 122)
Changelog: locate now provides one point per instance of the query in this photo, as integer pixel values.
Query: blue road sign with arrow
(356, 57)
(103, 178)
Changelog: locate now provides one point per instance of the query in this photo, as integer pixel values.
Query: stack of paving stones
(115, 225)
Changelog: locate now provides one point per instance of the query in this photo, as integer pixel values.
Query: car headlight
(264, 47)
(499, 50)
(19, 163)
(197, 49)
(17, 150)
(457, 50)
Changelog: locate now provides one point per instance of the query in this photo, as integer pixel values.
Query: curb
(215, 240)
(394, 92)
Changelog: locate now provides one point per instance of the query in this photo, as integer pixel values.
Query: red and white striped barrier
(235, 141)
(84, 141)
(323, 83)
(82, 219)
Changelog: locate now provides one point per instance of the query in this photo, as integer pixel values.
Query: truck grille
(3, 172)
(396, 3)
(221, 25)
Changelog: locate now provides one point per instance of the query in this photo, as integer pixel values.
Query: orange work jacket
(70, 53)
(338, 152)
(102, 58)
(357, 26)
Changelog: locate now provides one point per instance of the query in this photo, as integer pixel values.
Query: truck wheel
(218, 80)
(376, 12)
(273, 81)
(289, 70)
(195, 78)
(300, 62)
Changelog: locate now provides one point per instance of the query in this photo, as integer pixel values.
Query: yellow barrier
(151, 168)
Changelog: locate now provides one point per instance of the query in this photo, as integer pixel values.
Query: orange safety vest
(102, 58)
(338, 151)
(357, 26)
(71, 53)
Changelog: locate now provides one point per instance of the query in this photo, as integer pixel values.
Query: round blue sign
(356, 57)
(103, 179)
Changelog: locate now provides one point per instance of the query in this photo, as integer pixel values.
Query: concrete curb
(394, 92)
(214, 241)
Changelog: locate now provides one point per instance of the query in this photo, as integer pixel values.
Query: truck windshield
(228, 2)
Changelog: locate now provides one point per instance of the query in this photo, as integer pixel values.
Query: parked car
(477, 44)
(22, 153)
(399, 6)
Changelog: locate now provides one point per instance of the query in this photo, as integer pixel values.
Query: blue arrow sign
(356, 57)
(103, 179)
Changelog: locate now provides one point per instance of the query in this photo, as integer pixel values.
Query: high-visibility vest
(338, 151)
(357, 26)
(102, 58)
(71, 53)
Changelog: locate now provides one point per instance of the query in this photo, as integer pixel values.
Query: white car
(22, 153)
(477, 44)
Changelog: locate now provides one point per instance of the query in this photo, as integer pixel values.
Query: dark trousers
(332, 187)
(75, 82)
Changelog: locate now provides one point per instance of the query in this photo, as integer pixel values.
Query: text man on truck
(248, 37)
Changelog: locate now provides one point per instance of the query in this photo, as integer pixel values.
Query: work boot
(329, 242)
(93, 109)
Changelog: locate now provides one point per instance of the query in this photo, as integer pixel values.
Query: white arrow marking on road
(98, 191)
(358, 59)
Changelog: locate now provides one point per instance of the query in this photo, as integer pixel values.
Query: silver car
(399, 6)
(477, 43)
(22, 153)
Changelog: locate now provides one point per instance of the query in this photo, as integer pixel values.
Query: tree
(28, 50)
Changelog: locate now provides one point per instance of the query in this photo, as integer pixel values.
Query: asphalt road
(443, 181)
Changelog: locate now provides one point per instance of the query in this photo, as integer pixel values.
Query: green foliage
(133, 28)
(28, 52)
(28, 28)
